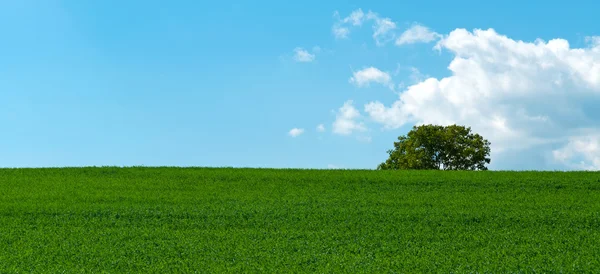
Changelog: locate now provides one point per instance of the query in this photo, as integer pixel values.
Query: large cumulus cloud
(517, 94)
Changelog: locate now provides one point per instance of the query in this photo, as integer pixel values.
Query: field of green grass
(122, 220)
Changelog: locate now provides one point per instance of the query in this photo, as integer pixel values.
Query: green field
(116, 220)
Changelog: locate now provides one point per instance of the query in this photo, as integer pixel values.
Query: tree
(437, 147)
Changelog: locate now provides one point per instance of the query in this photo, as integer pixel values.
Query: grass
(163, 220)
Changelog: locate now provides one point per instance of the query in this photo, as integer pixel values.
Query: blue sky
(247, 83)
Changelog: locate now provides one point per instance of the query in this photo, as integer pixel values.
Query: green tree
(451, 147)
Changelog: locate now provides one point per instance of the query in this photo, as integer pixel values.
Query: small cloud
(321, 128)
(382, 28)
(417, 34)
(340, 32)
(401, 85)
(363, 77)
(330, 166)
(593, 41)
(416, 76)
(302, 55)
(295, 132)
(345, 122)
(356, 18)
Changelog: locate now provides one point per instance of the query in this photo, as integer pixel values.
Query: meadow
(205, 220)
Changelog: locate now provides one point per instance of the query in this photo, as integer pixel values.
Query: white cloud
(302, 55)
(382, 27)
(340, 32)
(330, 166)
(345, 122)
(594, 41)
(581, 152)
(517, 94)
(356, 18)
(416, 76)
(417, 34)
(391, 118)
(321, 128)
(295, 132)
(363, 77)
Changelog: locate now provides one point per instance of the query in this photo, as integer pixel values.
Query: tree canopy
(451, 147)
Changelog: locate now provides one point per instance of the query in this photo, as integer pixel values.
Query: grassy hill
(81, 220)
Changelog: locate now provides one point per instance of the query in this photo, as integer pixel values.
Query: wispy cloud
(340, 32)
(593, 41)
(302, 55)
(355, 18)
(382, 27)
(417, 34)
